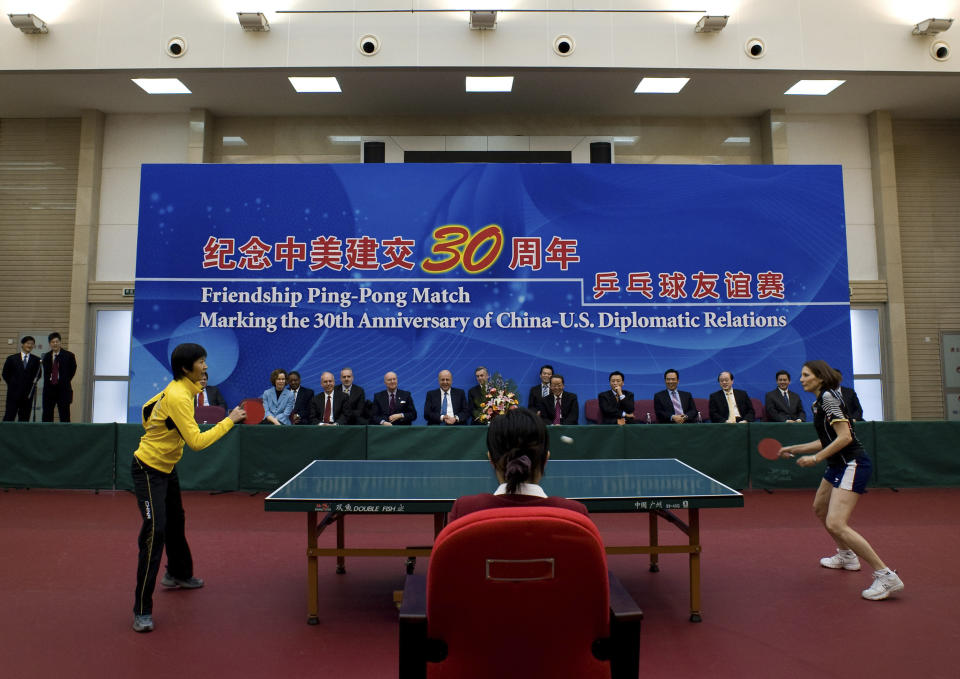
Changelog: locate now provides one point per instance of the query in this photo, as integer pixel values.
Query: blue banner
(416, 268)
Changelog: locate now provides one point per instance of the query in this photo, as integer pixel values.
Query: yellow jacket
(168, 420)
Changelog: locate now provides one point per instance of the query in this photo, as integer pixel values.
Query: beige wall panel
(928, 191)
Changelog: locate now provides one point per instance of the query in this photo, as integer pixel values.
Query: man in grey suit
(783, 405)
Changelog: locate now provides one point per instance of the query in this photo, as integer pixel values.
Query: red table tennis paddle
(769, 448)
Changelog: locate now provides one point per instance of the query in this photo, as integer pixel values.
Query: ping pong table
(656, 487)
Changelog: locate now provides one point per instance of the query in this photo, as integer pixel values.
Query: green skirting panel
(45, 455)
(270, 455)
(718, 450)
(586, 442)
(463, 442)
(918, 453)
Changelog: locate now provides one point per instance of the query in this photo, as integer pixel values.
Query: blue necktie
(443, 405)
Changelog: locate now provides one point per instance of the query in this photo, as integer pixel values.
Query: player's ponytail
(518, 443)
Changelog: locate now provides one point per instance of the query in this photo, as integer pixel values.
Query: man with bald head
(392, 406)
(326, 408)
(446, 405)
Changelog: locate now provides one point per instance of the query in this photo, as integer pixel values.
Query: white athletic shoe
(845, 559)
(884, 584)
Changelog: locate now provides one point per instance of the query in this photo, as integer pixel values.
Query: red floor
(67, 561)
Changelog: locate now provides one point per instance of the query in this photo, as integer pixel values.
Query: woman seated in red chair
(518, 447)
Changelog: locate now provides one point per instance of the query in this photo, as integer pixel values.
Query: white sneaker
(884, 584)
(845, 559)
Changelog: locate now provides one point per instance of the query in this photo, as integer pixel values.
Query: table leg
(654, 542)
(313, 593)
(341, 561)
(694, 532)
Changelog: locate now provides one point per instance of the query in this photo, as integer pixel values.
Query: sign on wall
(418, 268)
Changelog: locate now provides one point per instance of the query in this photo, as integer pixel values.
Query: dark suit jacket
(535, 399)
(852, 403)
(319, 402)
(19, 379)
(68, 368)
(778, 411)
(381, 407)
(214, 397)
(476, 397)
(611, 406)
(355, 407)
(431, 406)
(301, 406)
(663, 406)
(719, 412)
(569, 408)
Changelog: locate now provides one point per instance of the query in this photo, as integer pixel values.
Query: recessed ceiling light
(624, 140)
(490, 83)
(660, 85)
(815, 87)
(234, 141)
(340, 139)
(161, 85)
(737, 140)
(303, 84)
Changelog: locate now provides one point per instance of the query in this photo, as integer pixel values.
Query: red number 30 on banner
(456, 246)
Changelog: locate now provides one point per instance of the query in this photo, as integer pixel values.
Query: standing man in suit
(560, 407)
(326, 408)
(781, 404)
(616, 404)
(446, 405)
(477, 395)
(392, 406)
(302, 397)
(21, 372)
(671, 405)
(852, 403)
(355, 404)
(729, 404)
(209, 395)
(59, 367)
(540, 391)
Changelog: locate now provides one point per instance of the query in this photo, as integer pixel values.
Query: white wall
(129, 141)
(799, 34)
(842, 140)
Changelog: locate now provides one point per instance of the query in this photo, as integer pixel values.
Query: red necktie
(326, 407)
(200, 400)
(556, 411)
(393, 403)
(55, 373)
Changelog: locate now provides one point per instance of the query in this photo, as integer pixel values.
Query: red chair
(254, 408)
(644, 412)
(518, 592)
(591, 410)
(759, 412)
(703, 407)
(209, 414)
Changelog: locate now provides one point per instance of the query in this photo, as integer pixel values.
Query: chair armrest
(413, 628)
(625, 618)
(414, 606)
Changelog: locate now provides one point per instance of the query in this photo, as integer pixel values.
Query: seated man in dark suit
(59, 367)
(852, 403)
(729, 404)
(671, 405)
(783, 405)
(302, 397)
(326, 408)
(616, 403)
(392, 406)
(477, 396)
(355, 407)
(209, 395)
(540, 391)
(568, 411)
(446, 405)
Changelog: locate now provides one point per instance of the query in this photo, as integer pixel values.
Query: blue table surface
(446, 480)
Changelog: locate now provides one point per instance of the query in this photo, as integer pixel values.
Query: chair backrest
(759, 412)
(522, 590)
(703, 407)
(591, 410)
(204, 414)
(254, 408)
(643, 407)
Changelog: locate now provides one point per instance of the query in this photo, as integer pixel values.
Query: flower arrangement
(501, 396)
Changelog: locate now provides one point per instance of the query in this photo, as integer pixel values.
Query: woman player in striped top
(846, 477)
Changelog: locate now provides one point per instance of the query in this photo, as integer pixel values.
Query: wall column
(773, 131)
(201, 136)
(86, 224)
(896, 375)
